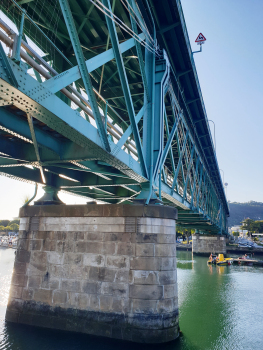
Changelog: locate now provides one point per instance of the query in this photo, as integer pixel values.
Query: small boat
(245, 259)
(220, 260)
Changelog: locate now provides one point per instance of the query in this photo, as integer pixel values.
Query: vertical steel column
(161, 77)
(83, 70)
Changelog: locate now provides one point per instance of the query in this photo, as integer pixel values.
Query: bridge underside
(107, 105)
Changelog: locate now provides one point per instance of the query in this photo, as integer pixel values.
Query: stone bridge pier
(205, 244)
(107, 270)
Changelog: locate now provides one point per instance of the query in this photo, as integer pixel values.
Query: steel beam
(83, 70)
(125, 85)
(180, 161)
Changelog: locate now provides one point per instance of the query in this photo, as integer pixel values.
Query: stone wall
(207, 244)
(107, 270)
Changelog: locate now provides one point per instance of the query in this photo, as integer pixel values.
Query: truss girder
(94, 151)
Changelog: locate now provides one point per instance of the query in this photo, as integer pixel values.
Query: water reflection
(221, 308)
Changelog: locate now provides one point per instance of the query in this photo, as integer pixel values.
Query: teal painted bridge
(101, 99)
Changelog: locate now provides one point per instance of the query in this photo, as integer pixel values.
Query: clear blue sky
(230, 71)
(231, 77)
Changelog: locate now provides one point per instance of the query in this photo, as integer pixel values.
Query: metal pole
(16, 55)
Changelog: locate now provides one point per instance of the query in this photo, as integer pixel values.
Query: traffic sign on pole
(200, 39)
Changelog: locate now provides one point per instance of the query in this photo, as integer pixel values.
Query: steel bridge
(101, 98)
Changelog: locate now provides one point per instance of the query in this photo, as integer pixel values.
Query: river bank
(230, 249)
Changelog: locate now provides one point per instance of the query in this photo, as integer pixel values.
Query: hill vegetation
(241, 211)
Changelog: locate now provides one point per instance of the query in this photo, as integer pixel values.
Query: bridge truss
(101, 99)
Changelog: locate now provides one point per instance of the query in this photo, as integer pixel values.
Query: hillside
(241, 211)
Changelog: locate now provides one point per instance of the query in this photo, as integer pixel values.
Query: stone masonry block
(27, 293)
(141, 306)
(170, 291)
(73, 259)
(106, 303)
(90, 287)
(93, 259)
(15, 292)
(167, 305)
(94, 302)
(23, 256)
(145, 277)
(43, 295)
(117, 262)
(70, 285)
(126, 248)
(49, 245)
(168, 263)
(83, 301)
(108, 248)
(101, 274)
(55, 258)
(145, 249)
(60, 297)
(20, 267)
(146, 237)
(165, 250)
(34, 282)
(121, 276)
(19, 279)
(119, 237)
(23, 244)
(72, 271)
(145, 263)
(94, 236)
(35, 244)
(148, 292)
(65, 246)
(167, 277)
(114, 289)
(166, 239)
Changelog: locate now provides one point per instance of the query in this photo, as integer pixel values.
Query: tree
(236, 233)
(4, 222)
(14, 227)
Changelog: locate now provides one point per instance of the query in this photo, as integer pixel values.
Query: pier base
(107, 270)
(206, 244)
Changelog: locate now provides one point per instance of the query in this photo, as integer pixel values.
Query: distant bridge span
(102, 99)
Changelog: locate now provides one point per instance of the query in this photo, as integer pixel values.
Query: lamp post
(214, 132)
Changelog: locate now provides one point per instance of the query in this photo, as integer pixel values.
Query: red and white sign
(200, 39)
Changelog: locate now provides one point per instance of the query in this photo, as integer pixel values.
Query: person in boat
(212, 258)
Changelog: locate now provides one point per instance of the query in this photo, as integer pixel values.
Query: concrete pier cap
(107, 270)
(205, 244)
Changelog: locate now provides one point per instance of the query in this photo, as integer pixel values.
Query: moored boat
(219, 260)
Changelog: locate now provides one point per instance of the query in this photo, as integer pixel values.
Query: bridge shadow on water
(23, 337)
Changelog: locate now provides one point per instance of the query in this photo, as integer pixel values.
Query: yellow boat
(220, 260)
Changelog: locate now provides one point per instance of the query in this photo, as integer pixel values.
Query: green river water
(220, 308)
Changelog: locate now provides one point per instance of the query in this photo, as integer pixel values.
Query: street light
(214, 132)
